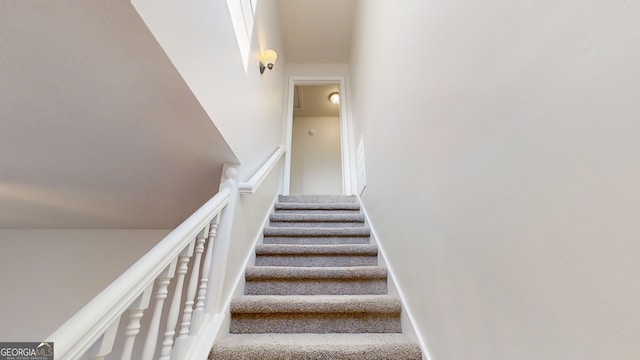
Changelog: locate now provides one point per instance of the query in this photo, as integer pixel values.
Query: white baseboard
(374, 236)
(238, 284)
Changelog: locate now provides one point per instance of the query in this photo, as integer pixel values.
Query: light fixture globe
(267, 60)
(334, 98)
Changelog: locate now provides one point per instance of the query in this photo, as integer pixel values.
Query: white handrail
(250, 186)
(91, 332)
(76, 336)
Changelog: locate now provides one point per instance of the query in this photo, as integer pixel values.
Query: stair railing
(250, 187)
(197, 248)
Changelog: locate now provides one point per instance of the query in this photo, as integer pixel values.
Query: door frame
(345, 126)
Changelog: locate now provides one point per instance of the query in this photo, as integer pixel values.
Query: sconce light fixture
(267, 60)
(334, 98)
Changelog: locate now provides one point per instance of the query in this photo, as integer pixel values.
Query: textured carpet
(285, 280)
(318, 346)
(316, 290)
(317, 255)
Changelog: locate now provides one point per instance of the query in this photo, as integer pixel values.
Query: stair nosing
(268, 272)
(306, 304)
(316, 206)
(311, 250)
(271, 231)
(319, 218)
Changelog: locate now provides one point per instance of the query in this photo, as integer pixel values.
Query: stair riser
(317, 287)
(319, 323)
(317, 199)
(316, 232)
(315, 224)
(315, 240)
(316, 212)
(259, 353)
(324, 346)
(320, 218)
(331, 208)
(307, 302)
(315, 261)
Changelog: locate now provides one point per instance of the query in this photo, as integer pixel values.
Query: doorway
(317, 159)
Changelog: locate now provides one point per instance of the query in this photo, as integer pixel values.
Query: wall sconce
(267, 60)
(334, 98)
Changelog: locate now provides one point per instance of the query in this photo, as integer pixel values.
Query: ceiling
(316, 31)
(313, 100)
(69, 157)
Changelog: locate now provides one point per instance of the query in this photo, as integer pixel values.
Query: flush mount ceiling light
(334, 98)
(267, 60)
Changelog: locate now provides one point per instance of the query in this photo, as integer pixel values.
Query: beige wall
(48, 275)
(502, 144)
(316, 166)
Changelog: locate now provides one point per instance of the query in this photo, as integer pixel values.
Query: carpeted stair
(316, 291)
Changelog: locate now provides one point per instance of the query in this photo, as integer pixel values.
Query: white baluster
(164, 280)
(104, 346)
(174, 310)
(199, 314)
(179, 350)
(136, 310)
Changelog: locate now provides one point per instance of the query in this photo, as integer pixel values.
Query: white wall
(246, 107)
(502, 144)
(316, 165)
(48, 275)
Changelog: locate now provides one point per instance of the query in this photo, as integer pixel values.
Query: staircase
(316, 291)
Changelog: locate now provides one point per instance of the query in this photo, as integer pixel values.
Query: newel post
(222, 243)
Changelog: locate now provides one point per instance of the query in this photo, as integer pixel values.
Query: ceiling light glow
(334, 98)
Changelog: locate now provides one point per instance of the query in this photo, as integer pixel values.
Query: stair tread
(336, 249)
(318, 198)
(317, 291)
(248, 304)
(297, 217)
(316, 206)
(316, 346)
(289, 272)
(316, 232)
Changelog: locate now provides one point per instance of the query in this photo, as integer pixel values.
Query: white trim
(213, 330)
(250, 186)
(205, 339)
(242, 13)
(74, 338)
(345, 125)
(286, 178)
(381, 252)
(361, 172)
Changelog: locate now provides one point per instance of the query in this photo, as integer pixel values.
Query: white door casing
(345, 127)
